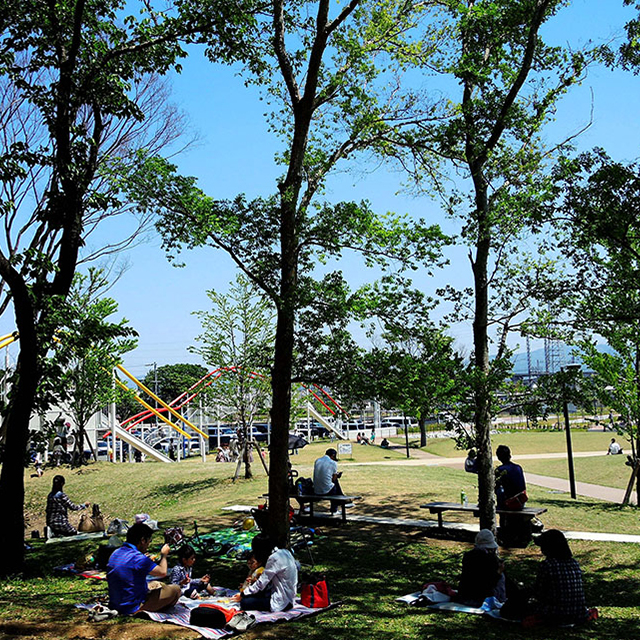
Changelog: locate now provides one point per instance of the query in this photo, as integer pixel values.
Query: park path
(585, 489)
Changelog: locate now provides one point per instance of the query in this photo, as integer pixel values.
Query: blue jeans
(260, 601)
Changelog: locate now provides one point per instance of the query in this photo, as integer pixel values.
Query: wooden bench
(342, 501)
(311, 499)
(526, 514)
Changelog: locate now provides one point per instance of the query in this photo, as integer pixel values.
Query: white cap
(486, 540)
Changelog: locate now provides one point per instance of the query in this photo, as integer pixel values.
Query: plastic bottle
(463, 498)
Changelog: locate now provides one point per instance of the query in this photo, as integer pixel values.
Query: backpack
(211, 615)
(304, 487)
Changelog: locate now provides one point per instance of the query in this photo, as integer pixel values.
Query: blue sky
(235, 155)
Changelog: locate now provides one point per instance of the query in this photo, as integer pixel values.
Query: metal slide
(140, 445)
(324, 423)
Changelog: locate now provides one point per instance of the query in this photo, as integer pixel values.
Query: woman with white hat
(482, 572)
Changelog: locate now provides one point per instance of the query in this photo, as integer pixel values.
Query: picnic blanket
(180, 613)
(76, 538)
(489, 607)
(70, 569)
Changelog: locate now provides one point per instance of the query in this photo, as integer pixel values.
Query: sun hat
(485, 540)
(145, 518)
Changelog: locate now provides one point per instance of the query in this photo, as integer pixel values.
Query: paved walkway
(610, 494)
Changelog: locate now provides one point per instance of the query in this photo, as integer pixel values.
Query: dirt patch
(130, 630)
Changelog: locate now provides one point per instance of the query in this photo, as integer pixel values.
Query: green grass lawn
(530, 441)
(609, 471)
(367, 565)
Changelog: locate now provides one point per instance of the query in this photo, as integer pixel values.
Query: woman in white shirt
(275, 589)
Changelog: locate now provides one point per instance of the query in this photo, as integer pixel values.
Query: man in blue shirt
(127, 572)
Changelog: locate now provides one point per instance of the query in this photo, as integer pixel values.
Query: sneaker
(241, 621)
(100, 612)
(349, 505)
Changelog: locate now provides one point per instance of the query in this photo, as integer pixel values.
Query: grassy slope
(367, 565)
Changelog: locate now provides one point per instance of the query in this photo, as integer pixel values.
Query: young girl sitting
(182, 572)
(255, 571)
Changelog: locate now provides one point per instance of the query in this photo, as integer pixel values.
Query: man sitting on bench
(325, 477)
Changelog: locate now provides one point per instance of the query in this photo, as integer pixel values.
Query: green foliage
(173, 380)
(237, 342)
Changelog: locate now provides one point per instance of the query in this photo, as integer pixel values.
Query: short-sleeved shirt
(323, 472)
(127, 572)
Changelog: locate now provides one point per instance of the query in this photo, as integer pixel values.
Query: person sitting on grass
(557, 597)
(614, 448)
(127, 572)
(58, 504)
(181, 575)
(482, 572)
(558, 594)
(275, 588)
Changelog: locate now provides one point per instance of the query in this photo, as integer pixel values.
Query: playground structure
(184, 429)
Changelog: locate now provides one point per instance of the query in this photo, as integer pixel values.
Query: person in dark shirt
(558, 592)
(482, 572)
(509, 478)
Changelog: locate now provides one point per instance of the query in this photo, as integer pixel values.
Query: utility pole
(155, 387)
(570, 368)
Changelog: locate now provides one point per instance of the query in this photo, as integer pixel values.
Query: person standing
(326, 477)
(58, 504)
(127, 572)
(510, 481)
(511, 495)
(471, 463)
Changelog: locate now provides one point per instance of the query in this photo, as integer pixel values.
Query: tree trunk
(280, 409)
(12, 475)
(482, 393)
(422, 422)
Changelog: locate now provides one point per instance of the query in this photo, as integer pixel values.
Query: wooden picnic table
(526, 514)
(311, 499)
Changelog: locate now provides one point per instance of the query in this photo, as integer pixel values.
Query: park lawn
(192, 490)
(529, 441)
(609, 471)
(367, 565)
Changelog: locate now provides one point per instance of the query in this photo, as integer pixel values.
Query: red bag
(515, 503)
(315, 595)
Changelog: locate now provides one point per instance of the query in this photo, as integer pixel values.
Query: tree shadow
(179, 489)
